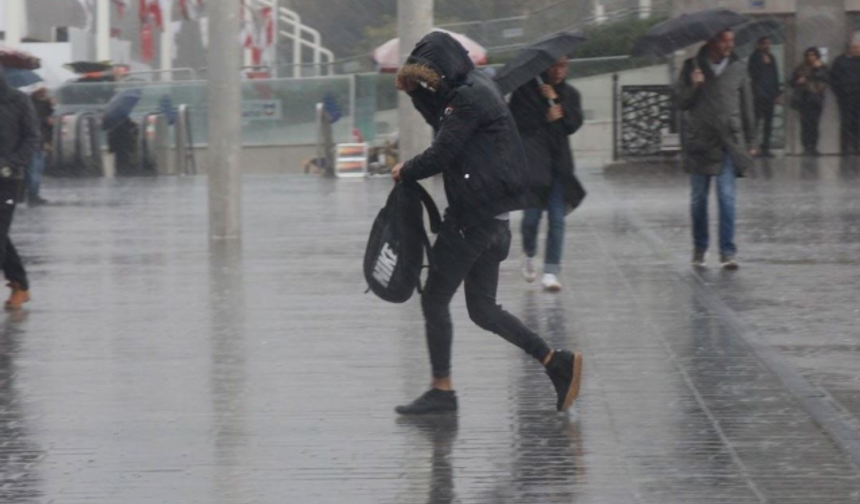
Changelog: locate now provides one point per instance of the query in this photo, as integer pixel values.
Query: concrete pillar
(225, 133)
(821, 24)
(167, 38)
(103, 30)
(414, 20)
(14, 20)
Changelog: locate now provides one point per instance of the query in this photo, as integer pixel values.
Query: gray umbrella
(752, 32)
(687, 29)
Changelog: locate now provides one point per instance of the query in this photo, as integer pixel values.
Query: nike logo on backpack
(385, 264)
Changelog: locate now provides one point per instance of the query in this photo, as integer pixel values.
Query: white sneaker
(528, 270)
(550, 283)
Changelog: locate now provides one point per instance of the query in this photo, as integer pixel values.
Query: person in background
(44, 106)
(546, 115)
(20, 138)
(714, 92)
(809, 83)
(764, 76)
(845, 79)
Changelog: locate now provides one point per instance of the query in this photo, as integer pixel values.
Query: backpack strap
(430, 205)
(435, 224)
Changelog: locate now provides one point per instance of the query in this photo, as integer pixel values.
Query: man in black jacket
(764, 78)
(480, 155)
(545, 130)
(20, 138)
(845, 79)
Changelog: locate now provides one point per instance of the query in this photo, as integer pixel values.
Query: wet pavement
(156, 367)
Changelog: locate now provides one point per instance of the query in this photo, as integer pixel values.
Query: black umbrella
(687, 29)
(753, 31)
(535, 59)
(85, 67)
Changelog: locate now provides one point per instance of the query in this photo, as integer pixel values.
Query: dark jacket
(476, 146)
(845, 76)
(813, 91)
(44, 111)
(718, 118)
(764, 76)
(547, 144)
(20, 137)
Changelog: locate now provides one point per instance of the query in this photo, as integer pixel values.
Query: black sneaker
(565, 371)
(433, 401)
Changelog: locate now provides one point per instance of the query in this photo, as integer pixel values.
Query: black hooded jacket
(476, 146)
(20, 136)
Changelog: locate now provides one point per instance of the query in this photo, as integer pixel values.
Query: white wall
(594, 139)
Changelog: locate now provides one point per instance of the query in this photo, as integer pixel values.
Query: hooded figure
(20, 138)
(478, 151)
(477, 148)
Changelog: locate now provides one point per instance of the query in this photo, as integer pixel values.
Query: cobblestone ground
(155, 367)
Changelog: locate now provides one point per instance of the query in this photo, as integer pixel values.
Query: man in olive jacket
(719, 135)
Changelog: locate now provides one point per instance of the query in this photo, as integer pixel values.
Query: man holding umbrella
(547, 111)
(719, 128)
(20, 138)
(714, 91)
(547, 114)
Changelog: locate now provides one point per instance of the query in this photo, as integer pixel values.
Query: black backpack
(395, 250)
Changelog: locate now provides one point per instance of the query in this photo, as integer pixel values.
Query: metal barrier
(186, 163)
(192, 74)
(155, 145)
(78, 146)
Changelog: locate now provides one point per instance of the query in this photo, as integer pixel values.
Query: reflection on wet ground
(153, 366)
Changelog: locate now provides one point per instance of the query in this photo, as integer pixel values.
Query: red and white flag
(258, 31)
(191, 9)
(122, 6)
(150, 11)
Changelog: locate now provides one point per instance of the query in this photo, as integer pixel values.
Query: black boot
(565, 371)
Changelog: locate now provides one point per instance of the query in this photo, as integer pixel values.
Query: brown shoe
(18, 298)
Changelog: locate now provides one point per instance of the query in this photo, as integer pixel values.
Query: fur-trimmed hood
(439, 62)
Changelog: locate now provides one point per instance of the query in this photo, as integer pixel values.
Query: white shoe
(528, 270)
(550, 283)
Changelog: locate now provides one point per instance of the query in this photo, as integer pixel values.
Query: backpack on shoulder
(398, 240)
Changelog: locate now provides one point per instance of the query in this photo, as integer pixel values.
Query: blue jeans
(34, 174)
(555, 236)
(701, 185)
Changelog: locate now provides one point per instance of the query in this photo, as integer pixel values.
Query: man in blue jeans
(714, 91)
(547, 111)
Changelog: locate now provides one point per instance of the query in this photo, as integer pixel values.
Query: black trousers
(849, 110)
(13, 268)
(810, 118)
(764, 112)
(471, 257)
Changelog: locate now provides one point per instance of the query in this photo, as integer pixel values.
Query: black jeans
(764, 111)
(810, 117)
(471, 256)
(13, 268)
(849, 110)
